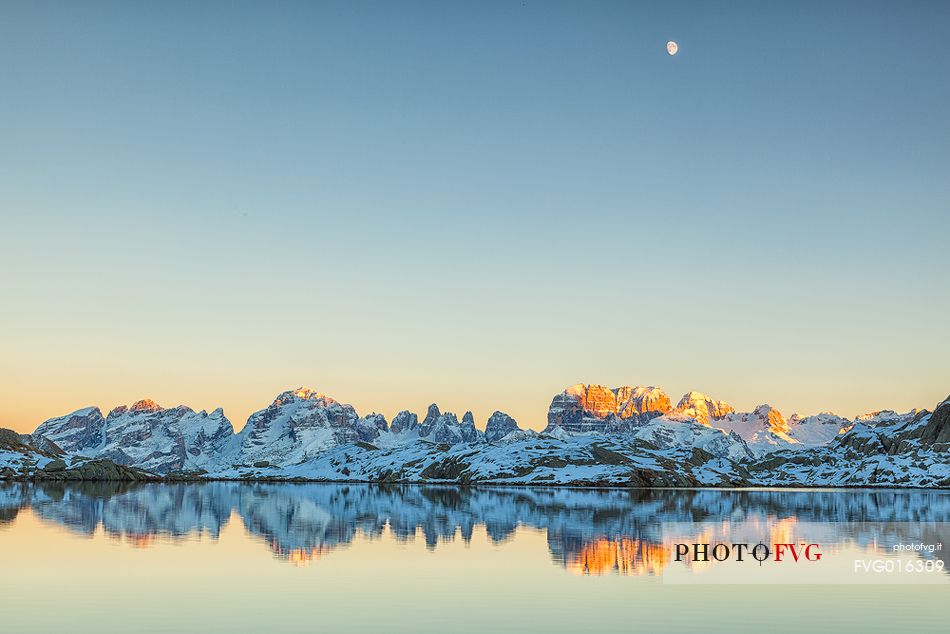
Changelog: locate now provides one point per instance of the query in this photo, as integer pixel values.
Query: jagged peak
(876, 414)
(886, 416)
(641, 399)
(772, 416)
(825, 414)
(639, 390)
(217, 412)
(145, 405)
(820, 417)
(404, 421)
(500, 425)
(597, 399)
(592, 407)
(302, 394)
(703, 407)
(448, 418)
(579, 389)
(432, 414)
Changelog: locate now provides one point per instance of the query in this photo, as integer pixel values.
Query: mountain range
(624, 436)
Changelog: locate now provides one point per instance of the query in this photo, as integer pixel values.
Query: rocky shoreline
(112, 473)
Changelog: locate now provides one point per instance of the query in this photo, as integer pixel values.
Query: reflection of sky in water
(116, 558)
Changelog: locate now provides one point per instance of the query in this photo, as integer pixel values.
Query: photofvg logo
(790, 551)
(739, 552)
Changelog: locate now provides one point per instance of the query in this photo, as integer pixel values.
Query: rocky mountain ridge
(143, 435)
(624, 435)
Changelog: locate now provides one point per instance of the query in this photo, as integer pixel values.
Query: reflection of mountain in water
(589, 531)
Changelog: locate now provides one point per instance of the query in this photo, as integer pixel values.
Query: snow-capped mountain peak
(772, 418)
(640, 400)
(583, 408)
(302, 394)
(886, 416)
(500, 425)
(145, 405)
(75, 432)
(817, 429)
(298, 424)
(445, 428)
(763, 428)
(703, 407)
(143, 434)
(303, 428)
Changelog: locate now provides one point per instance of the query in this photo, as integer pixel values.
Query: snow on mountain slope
(818, 429)
(584, 459)
(203, 435)
(298, 425)
(143, 435)
(499, 426)
(161, 440)
(764, 428)
(886, 416)
(469, 433)
(518, 435)
(77, 432)
(19, 457)
(305, 434)
(404, 421)
(674, 430)
(900, 452)
(369, 427)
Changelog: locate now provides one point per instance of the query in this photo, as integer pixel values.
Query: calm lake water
(322, 557)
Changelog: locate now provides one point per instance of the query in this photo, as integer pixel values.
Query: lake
(240, 557)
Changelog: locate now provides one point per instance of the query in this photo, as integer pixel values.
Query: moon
(672, 47)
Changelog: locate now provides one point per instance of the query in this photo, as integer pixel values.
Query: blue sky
(473, 203)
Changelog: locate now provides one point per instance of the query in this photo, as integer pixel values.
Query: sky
(474, 204)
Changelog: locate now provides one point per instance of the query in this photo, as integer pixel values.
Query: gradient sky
(476, 204)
